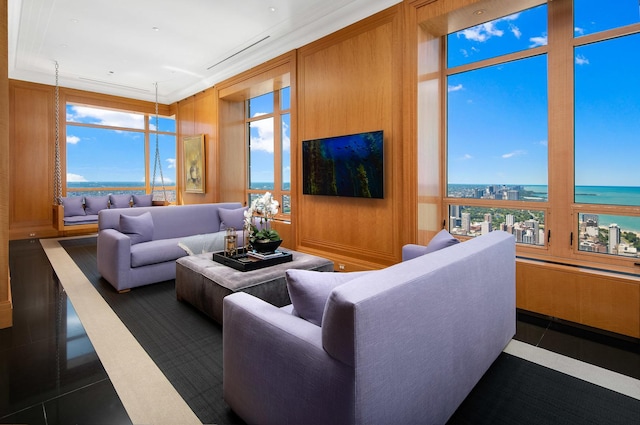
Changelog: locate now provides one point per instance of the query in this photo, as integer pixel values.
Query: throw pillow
(142, 200)
(441, 240)
(199, 244)
(309, 291)
(138, 227)
(73, 206)
(232, 218)
(120, 201)
(93, 204)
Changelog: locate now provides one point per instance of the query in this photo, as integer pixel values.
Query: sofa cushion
(73, 206)
(120, 201)
(309, 291)
(80, 219)
(199, 244)
(138, 227)
(154, 252)
(142, 200)
(232, 218)
(441, 240)
(93, 204)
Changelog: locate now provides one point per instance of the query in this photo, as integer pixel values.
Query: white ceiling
(111, 46)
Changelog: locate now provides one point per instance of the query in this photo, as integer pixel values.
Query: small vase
(265, 247)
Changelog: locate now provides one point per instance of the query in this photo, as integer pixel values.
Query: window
(541, 122)
(497, 114)
(269, 158)
(607, 124)
(112, 151)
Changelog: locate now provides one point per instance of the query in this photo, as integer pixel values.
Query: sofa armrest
(411, 251)
(271, 357)
(114, 257)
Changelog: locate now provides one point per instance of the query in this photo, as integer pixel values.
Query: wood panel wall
(6, 306)
(197, 115)
(351, 82)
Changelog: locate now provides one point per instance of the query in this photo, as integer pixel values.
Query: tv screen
(351, 165)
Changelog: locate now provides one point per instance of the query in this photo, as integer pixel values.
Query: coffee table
(203, 283)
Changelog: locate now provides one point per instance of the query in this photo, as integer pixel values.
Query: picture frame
(194, 164)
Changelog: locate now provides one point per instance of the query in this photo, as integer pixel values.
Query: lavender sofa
(139, 246)
(402, 345)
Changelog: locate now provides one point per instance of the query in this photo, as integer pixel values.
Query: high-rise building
(510, 219)
(513, 195)
(466, 222)
(614, 238)
(486, 227)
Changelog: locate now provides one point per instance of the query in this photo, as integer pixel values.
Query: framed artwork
(194, 163)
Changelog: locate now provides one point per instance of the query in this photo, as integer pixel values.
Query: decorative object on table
(261, 213)
(230, 242)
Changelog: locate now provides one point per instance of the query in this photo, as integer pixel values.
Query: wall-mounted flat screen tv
(350, 166)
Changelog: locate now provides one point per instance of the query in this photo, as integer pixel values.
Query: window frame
(149, 150)
(277, 191)
(561, 211)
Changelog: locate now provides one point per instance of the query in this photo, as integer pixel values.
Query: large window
(541, 130)
(110, 151)
(497, 126)
(268, 138)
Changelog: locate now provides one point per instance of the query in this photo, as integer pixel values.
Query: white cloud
(578, 30)
(482, 32)
(264, 140)
(73, 140)
(105, 117)
(158, 181)
(171, 162)
(543, 143)
(75, 178)
(514, 154)
(581, 60)
(538, 41)
(466, 157)
(515, 31)
(454, 88)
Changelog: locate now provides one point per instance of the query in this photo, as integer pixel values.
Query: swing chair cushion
(142, 200)
(73, 206)
(94, 204)
(119, 201)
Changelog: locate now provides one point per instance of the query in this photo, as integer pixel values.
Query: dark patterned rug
(187, 347)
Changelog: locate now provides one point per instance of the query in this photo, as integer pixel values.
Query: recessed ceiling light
(74, 21)
(272, 9)
(110, 72)
(155, 29)
(479, 12)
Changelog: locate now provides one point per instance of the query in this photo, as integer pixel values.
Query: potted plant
(261, 212)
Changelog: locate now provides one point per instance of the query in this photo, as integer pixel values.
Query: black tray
(244, 262)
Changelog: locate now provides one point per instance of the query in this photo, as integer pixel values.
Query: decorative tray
(245, 262)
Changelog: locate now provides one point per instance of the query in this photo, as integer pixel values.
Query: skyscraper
(614, 238)
(466, 222)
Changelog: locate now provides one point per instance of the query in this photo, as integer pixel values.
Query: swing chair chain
(157, 162)
(57, 197)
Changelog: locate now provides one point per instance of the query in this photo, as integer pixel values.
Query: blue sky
(497, 116)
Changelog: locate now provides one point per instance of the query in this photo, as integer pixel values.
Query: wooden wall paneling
(548, 290)
(349, 82)
(205, 117)
(6, 305)
(32, 160)
(232, 164)
(597, 299)
(610, 303)
(186, 127)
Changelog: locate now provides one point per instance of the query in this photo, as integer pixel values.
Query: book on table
(266, 255)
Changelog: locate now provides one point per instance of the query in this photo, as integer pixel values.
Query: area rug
(187, 347)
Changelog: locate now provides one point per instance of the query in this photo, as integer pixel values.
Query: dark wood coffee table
(204, 283)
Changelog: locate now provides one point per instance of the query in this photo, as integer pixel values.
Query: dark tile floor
(50, 373)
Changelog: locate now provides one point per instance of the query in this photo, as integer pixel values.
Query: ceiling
(125, 47)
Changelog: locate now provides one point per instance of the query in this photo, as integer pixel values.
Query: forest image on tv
(350, 166)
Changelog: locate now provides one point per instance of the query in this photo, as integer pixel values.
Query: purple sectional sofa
(402, 345)
(139, 246)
